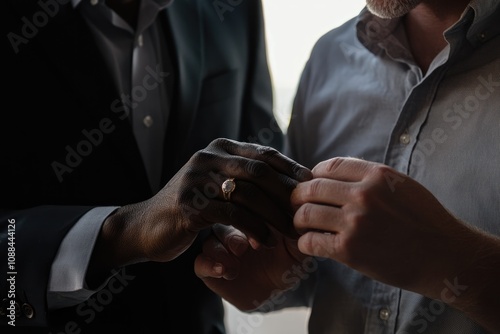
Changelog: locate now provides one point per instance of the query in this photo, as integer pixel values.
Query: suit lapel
(184, 21)
(68, 41)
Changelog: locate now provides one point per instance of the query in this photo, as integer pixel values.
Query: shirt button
(94, 2)
(384, 314)
(404, 139)
(148, 121)
(140, 40)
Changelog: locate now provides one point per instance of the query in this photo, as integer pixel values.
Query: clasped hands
(273, 214)
(363, 214)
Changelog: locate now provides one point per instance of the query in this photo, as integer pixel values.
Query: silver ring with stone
(227, 188)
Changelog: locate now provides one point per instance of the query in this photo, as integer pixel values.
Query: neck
(425, 26)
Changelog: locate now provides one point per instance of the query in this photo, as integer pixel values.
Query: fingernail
(218, 269)
(254, 243)
(302, 173)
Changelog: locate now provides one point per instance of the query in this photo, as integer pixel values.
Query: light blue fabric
(362, 95)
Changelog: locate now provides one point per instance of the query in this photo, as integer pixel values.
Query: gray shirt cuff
(67, 285)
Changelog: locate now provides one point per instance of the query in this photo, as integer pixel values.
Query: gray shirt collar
(475, 24)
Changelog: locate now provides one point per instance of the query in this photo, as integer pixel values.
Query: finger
(270, 202)
(233, 239)
(255, 200)
(343, 169)
(205, 266)
(270, 189)
(226, 213)
(218, 260)
(320, 218)
(211, 170)
(321, 191)
(320, 244)
(278, 161)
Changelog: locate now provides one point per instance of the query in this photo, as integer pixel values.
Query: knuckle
(379, 172)
(219, 142)
(191, 173)
(233, 166)
(201, 157)
(308, 244)
(314, 188)
(288, 182)
(300, 171)
(304, 215)
(267, 151)
(333, 164)
(362, 195)
(255, 168)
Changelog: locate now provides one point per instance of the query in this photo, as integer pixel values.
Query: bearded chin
(390, 9)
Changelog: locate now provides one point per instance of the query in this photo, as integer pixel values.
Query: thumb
(233, 239)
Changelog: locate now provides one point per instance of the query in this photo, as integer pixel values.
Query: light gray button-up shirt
(362, 95)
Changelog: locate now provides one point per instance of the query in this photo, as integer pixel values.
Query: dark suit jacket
(57, 90)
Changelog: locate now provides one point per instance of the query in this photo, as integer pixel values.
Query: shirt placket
(415, 111)
(381, 316)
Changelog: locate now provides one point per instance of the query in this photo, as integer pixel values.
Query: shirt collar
(485, 23)
(480, 17)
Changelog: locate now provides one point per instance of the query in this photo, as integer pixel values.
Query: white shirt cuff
(67, 275)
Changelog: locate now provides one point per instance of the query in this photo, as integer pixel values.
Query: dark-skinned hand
(247, 276)
(164, 226)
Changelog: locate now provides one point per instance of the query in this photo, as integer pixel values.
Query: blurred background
(292, 28)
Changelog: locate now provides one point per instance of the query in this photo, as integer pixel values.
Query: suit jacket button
(28, 310)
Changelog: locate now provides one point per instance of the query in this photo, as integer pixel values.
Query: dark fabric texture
(60, 96)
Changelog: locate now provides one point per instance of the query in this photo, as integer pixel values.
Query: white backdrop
(292, 28)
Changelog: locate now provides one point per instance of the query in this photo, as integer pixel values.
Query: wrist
(114, 248)
(476, 285)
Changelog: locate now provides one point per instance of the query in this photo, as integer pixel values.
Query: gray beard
(389, 9)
